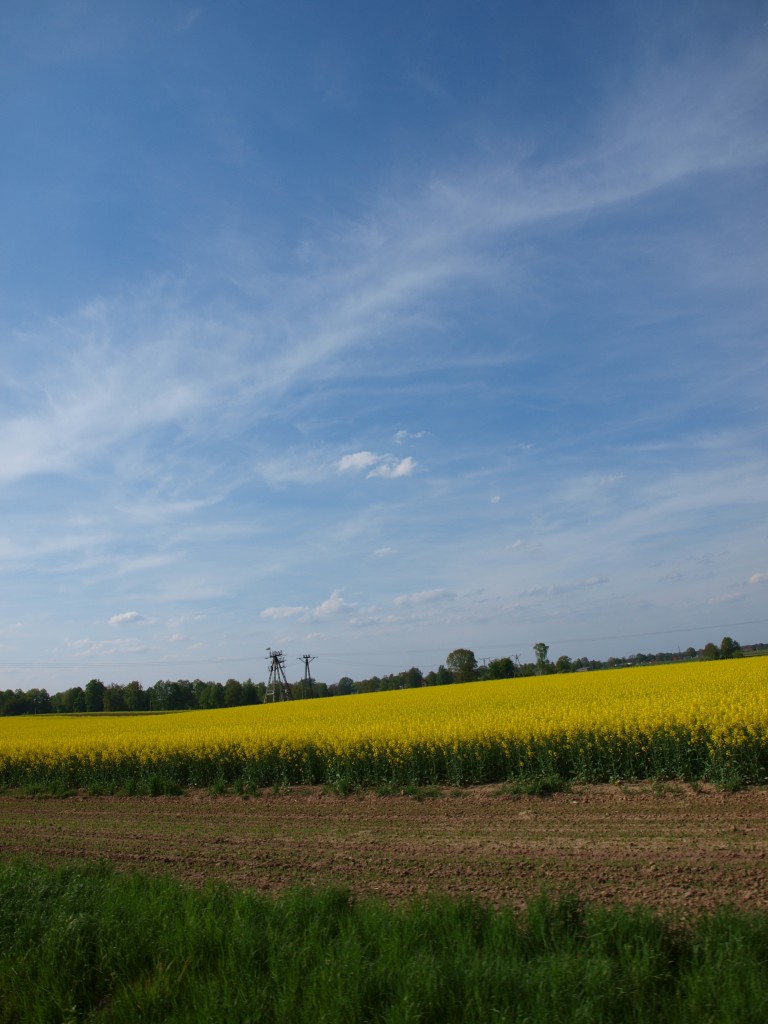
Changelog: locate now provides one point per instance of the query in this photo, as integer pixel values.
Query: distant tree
(500, 668)
(345, 686)
(114, 698)
(462, 664)
(209, 695)
(17, 702)
(542, 664)
(691, 652)
(69, 701)
(564, 664)
(136, 698)
(372, 685)
(412, 678)
(443, 677)
(729, 648)
(94, 695)
(250, 692)
(711, 652)
(233, 693)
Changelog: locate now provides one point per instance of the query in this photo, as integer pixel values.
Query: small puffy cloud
(759, 577)
(496, 499)
(405, 435)
(358, 461)
(284, 612)
(384, 552)
(331, 606)
(385, 467)
(127, 618)
(425, 597)
(391, 469)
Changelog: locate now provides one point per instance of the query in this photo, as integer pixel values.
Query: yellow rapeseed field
(695, 720)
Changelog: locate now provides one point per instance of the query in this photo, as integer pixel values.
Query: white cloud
(386, 467)
(425, 597)
(106, 647)
(391, 470)
(331, 606)
(759, 577)
(126, 618)
(384, 552)
(360, 460)
(496, 499)
(284, 612)
(563, 588)
(405, 435)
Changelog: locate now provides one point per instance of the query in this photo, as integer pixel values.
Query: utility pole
(306, 683)
(277, 687)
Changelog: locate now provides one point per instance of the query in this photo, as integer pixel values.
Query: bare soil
(672, 848)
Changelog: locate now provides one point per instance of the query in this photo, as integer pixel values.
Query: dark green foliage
(87, 944)
(545, 785)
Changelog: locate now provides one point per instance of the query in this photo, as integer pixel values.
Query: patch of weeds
(544, 785)
(412, 789)
(280, 788)
(56, 790)
(730, 782)
(130, 787)
(218, 787)
(421, 792)
(341, 786)
(102, 789)
(457, 792)
(660, 786)
(388, 788)
(160, 785)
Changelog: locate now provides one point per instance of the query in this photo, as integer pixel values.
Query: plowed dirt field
(671, 847)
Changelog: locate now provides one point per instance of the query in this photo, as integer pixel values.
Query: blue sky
(375, 330)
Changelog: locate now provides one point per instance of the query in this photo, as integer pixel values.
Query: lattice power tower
(277, 686)
(307, 690)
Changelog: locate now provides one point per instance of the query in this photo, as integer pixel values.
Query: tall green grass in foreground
(88, 944)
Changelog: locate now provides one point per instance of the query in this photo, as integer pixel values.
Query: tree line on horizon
(461, 666)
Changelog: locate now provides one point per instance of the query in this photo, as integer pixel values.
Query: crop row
(700, 721)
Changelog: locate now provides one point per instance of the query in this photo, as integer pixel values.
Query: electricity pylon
(306, 683)
(277, 686)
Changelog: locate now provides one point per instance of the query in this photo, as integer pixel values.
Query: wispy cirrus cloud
(101, 648)
(386, 467)
(564, 588)
(425, 597)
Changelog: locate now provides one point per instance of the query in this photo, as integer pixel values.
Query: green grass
(542, 785)
(88, 944)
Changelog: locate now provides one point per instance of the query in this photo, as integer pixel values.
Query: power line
(388, 653)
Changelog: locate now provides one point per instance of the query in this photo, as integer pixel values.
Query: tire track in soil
(674, 848)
